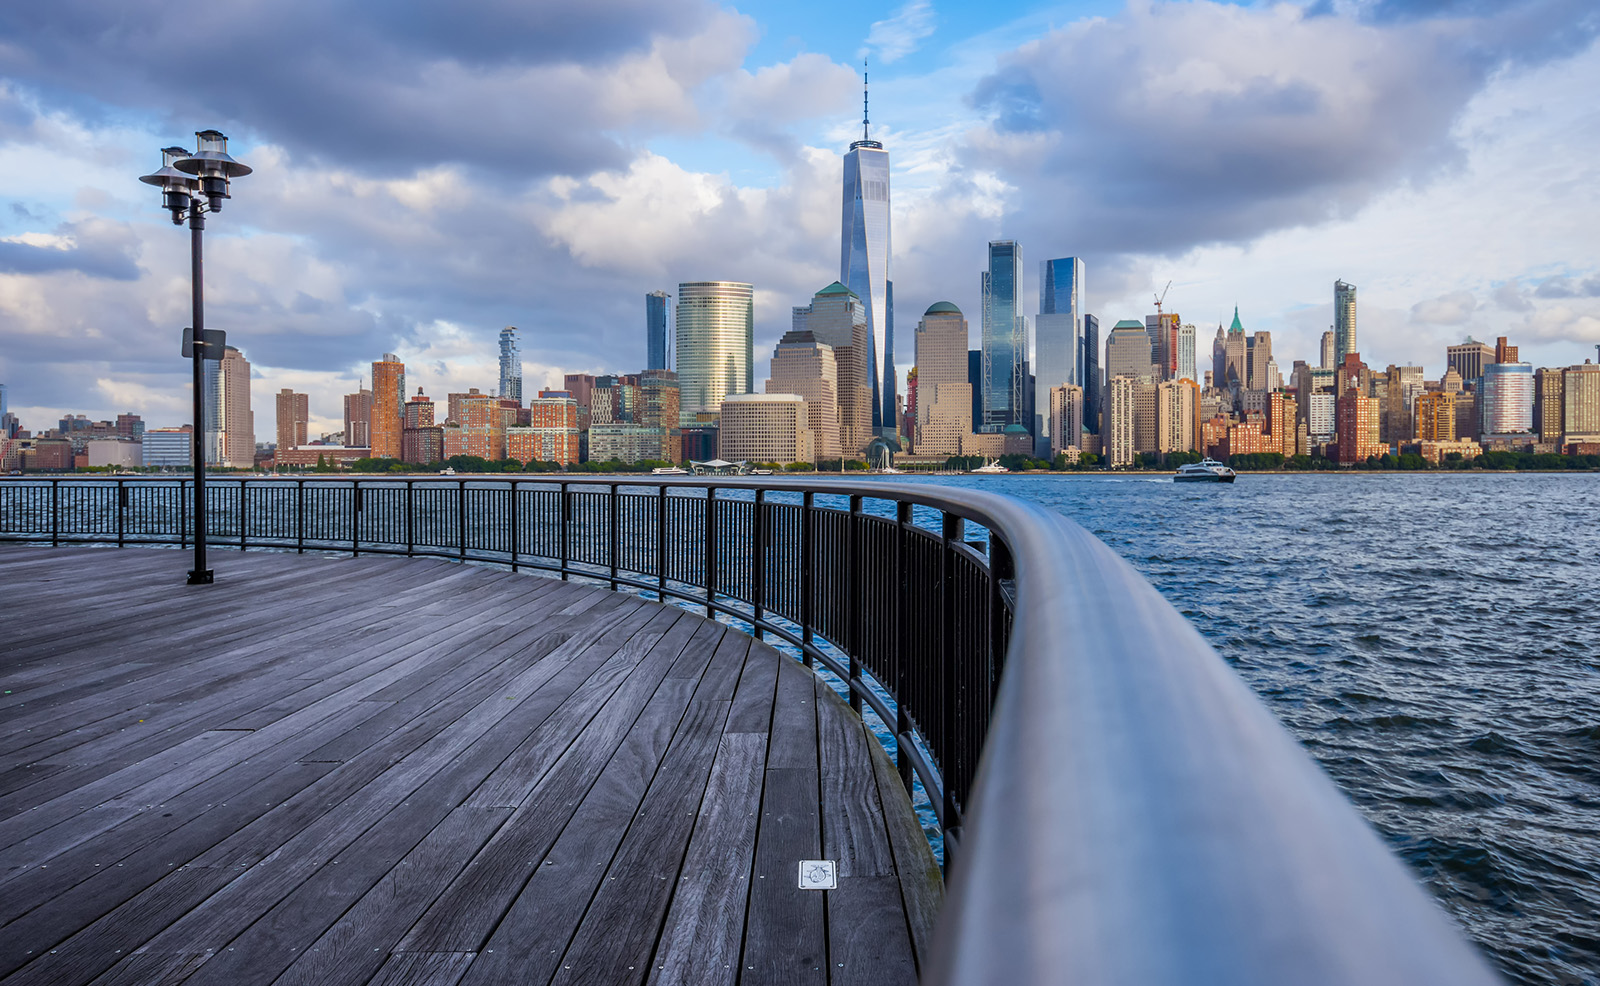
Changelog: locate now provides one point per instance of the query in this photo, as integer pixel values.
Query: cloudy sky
(426, 174)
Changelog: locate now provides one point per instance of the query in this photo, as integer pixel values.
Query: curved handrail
(1138, 816)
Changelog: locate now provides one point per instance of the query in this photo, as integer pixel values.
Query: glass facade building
(1506, 398)
(510, 364)
(1005, 338)
(1344, 321)
(864, 251)
(655, 330)
(715, 339)
(1058, 345)
(1091, 373)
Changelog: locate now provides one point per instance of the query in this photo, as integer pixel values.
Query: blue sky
(426, 175)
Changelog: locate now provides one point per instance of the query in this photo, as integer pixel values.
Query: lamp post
(191, 186)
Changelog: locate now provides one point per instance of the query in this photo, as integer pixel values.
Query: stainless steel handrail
(1138, 815)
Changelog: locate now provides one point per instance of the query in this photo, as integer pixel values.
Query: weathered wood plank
(853, 831)
(868, 943)
(703, 937)
(921, 883)
(423, 969)
(794, 718)
(758, 682)
(784, 938)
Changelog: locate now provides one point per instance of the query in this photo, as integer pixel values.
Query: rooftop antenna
(864, 135)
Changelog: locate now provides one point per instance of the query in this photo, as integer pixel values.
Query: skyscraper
(1091, 374)
(1507, 399)
(230, 423)
(836, 317)
(944, 396)
(864, 256)
(1005, 338)
(388, 407)
(358, 419)
(1329, 360)
(1186, 366)
(1344, 321)
(1128, 351)
(510, 365)
(1469, 358)
(655, 330)
(715, 343)
(1058, 344)
(803, 366)
(294, 412)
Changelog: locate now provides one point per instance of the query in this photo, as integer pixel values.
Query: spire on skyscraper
(864, 134)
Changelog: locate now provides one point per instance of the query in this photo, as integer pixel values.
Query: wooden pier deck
(329, 770)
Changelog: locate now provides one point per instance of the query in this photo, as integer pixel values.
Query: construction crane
(1162, 297)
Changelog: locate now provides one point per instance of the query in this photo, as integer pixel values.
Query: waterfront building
(551, 434)
(1066, 418)
(1258, 360)
(1357, 425)
(420, 412)
(803, 366)
(1128, 351)
(1091, 374)
(865, 254)
(1580, 403)
(480, 421)
(1249, 438)
(715, 334)
(168, 447)
(1162, 328)
(130, 427)
(627, 442)
(837, 318)
(1119, 421)
(1504, 352)
(1344, 321)
(1145, 424)
(510, 365)
(1321, 417)
(1218, 373)
(294, 414)
(1186, 364)
(1404, 383)
(422, 443)
(1329, 359)
(1005, 339)
(1469, 424)
(765, 428)
(1506, 399)
(660, 402)
(230, 422)
(1469, 358)
(1437, 451)
(1435, 413)
(1177, 416)
(944, 393)
(655, 331)
(975, 381)
(1058, 342)
(1236, 358)
(1282, 419)
(358, 419)
(388, 407)
(114, 453)
(1547, 405)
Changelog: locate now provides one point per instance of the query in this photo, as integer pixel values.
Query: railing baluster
(513, 525)
(711, 551)
(566, 521)
(661, 542)
(758, 563)
(55, 513)
(355, 518)
(122, 510)
(857, 629)
(902, 642)
(807, 590)
(951, 535)
(244, 516)
(461, 519)
(616, 542)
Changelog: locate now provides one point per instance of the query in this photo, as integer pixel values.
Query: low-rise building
(763, 428)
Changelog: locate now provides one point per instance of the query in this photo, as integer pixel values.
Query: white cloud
(900, 34)
(1455, 308)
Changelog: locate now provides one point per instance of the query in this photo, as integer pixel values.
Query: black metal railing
(1120, 806)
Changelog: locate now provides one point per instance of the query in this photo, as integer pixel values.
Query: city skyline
(1457, 212)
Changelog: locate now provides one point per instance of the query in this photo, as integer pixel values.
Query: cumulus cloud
(524, 87)
(898, 35)
(1569, 287)
(1176, 124)
(1455, 308)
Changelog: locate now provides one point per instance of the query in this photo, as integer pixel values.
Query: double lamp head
(185, 177)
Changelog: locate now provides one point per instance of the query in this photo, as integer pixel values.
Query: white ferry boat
(1207, 470)
(992, 466)
(668, 471)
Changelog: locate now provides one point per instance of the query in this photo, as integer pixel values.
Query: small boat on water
(992, 466)
(1207, 470)
(668, 471)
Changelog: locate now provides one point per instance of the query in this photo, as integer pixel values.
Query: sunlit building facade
(715, 337)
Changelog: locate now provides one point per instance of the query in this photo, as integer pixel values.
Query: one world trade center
(864, 263)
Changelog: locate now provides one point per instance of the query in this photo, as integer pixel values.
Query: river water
(1433, 640)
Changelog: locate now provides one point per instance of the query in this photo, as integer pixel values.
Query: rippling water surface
(1433, 640)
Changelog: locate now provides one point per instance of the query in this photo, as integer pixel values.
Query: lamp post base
(197, 577)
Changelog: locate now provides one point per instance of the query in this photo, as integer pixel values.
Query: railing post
(807, 595)
(661, 543)
(615, 540)
(566, 521)
(951, 534)
(55, 513)
(513, 523)
(244, 518)
(902, 642)
(411, 513)
(355, 518)
(183, 513)
(461, 518)
(758, 563)
(300, 516)
(711, 551)
(856, 631)
(122, 510)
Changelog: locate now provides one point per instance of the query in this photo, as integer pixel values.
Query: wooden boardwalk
(403, 771)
